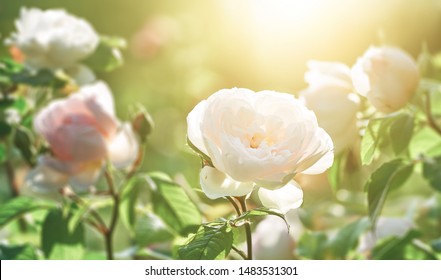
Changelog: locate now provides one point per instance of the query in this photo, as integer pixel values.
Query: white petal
(326, 159)
(216, 184)
(194, 120)
(124, 148)
(82, 181)
(45, 179)
(286, 198)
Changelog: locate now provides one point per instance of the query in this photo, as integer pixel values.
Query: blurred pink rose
(82, 132)
(153, 36)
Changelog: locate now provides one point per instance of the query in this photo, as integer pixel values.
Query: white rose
(53, 38)
(387, 76)
(82, 132)
(256, 139)
(386, 227)
(331, 96)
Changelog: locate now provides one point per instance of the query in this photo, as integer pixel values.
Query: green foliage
(390, 175)
(335, 173)
(18, 252)
(312, 245)
(347, 238)
(432, 172)
(316, 245)
(401, 131)
(24, 141)
(16, 207)
(406, 247)
(258, 212)
(107, 55)
(3, 153)
(42, 78)
(129, 196)
(394, 129)
(211, 241)
(172, 204)
(150, 229)
(58, 240)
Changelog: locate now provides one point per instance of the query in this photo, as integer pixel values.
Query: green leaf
(24, 140)
(107, 55)
(212, 241)
(16, 207)
(426, 141)
(347, 238)
(17, 252)
(399, 248)
(258, 212)
(173, 206)
(370, 141)
(5, 129)
(3, 153)
(129, 195)
(151, 229)
(432, 172)
(336, 170)
(58, 242)
(436, 245)
(387, 176)
(401, 131)
(312, 245)
(43, 78)
(203, 156)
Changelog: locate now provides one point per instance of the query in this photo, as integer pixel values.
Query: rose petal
(194, 120)
(326, 159)
(45, 179)
(124, 148)
(286, 198)
(82, 181)
(216, 184)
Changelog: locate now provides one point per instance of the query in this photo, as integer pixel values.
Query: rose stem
(247, 229)
(15, 190)
(240, 252)
(236, 207)
(114, 218)
(432, 122)
(101, 226)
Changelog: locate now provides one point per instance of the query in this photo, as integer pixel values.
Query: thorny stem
(429, 115)
(243, 204)
(109, 234)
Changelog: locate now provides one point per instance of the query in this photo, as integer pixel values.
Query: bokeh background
(180, 52)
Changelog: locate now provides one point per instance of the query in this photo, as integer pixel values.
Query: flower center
(257, 139)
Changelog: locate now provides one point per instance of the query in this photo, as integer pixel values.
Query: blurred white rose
(387, 76)
(331, 96)
(386, 227)
(82, 132)
(256, 139)
(53, 38)
(273, 241)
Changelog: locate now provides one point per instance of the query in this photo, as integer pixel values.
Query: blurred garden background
(180, 52)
